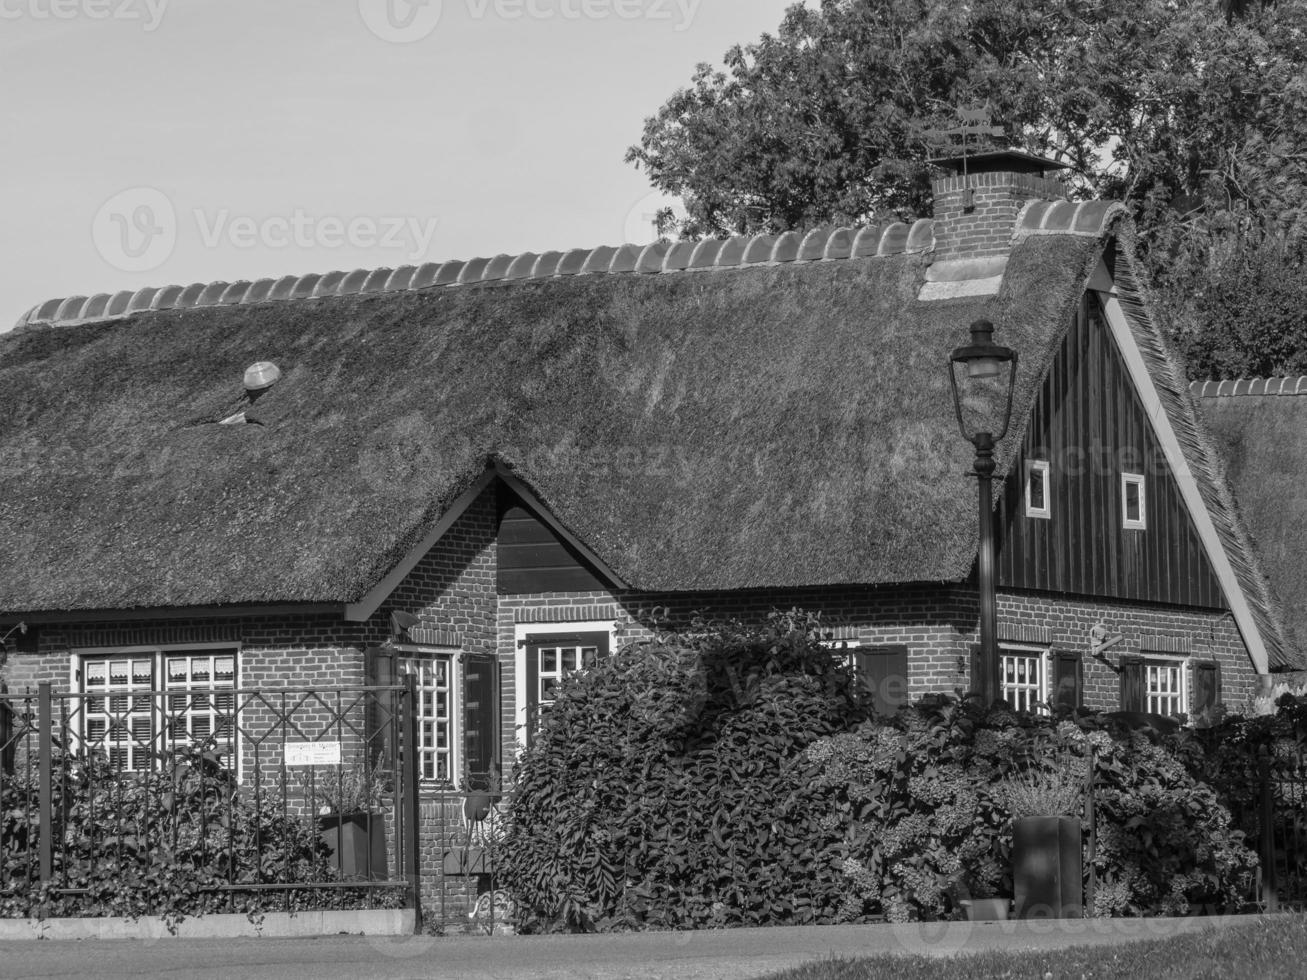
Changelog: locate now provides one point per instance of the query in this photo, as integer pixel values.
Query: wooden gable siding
(1089, 423)
(533, 559)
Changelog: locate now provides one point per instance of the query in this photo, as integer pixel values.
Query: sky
(148, 142)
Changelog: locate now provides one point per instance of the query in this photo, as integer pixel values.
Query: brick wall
(985, 228)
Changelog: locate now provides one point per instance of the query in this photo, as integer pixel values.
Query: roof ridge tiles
(1230, 388)
(824, 244)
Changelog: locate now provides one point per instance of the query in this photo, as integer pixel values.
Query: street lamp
(983, 383)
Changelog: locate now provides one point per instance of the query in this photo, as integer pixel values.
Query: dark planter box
(1047, 868)
(466, 861)
(358, 844)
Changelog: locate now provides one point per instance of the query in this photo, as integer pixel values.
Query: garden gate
(294, 798)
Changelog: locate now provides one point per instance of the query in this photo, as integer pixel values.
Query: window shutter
(984, 675)
(1133, 684)
(532, 693)
(1207, 687)
(379, 669)
(6, 734)
(1068, 679)
(481, 720)
(882, 674)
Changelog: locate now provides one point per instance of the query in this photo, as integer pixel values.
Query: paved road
(736, 954)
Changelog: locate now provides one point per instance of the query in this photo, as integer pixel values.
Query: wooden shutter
(984, 675)
(882, 674)
(1207, 687)
(1068, 687)
(379, 669)
(481, 720)
(1134, 682)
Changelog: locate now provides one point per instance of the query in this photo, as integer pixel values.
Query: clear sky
(148, 142)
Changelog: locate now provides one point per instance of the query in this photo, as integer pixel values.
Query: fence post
(45, 760)
(412, 807)
(1270, 898)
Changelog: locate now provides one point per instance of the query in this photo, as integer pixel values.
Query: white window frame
(1037, 694)
(158, 655)
(1042, 466)
(1176, 692)
(406, 659)
(1127, 522)
(522, 634)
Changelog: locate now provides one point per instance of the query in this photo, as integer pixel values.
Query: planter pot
(987, 909)
(1047, 868)
(357, 842)
(466, 861)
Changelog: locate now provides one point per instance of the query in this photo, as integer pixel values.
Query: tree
(1190, 111)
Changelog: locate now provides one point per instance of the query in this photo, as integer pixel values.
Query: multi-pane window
(1037, 500)
(1164, 687)
(434, 680)
(1133, 515)
(1023, 679)
(123, 717)
(549, 659)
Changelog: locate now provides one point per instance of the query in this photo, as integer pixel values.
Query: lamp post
(982, 362)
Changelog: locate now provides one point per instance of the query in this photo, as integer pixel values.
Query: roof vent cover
(261, 376)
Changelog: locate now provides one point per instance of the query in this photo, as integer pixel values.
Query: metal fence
(292, 796)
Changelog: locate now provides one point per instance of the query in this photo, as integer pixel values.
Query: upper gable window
(1037, 499)
(1133, 516)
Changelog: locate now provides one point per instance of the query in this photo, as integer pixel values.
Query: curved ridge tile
(678, 256)
(190, 296)
(1060, 217)
(759, 249)
(95, 306)
(624, 260)
(142, 299)
(840, 244)
(599, 260)
(70, 308)
(211, 293)
(376, 281)
(400, 278)
(235, 293)
(167, 297)
(1095, 217)
(353, 282)
(520, 267)
(1258, 386)
(445, 274)
(284, 288)
(732, 252)
(546, 265)
(651, 258)
(786, 248)
(1031, 216)
(473, 271)
(573, 262)
(305, 286)
(329, 284)
(705, 253)
(921, 236)
(867, 242)
(428, 272)
(814, 245)
(259, 290)
(894, 239)
(47, 310)
(497, 267)
(119, 302)
(26, 318)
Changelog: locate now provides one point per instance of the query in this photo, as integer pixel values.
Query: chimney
(976, 204)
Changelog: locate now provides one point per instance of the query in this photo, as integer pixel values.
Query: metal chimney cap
(261, 376)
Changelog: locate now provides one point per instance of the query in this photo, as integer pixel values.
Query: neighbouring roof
(1260, 429)
(765, 412)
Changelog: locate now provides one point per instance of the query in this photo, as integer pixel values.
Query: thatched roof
(753, 413)
(1260, 428)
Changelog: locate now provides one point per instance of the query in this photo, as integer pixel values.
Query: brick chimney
(976, 205)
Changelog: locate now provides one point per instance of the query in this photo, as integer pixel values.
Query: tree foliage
(1190, 111)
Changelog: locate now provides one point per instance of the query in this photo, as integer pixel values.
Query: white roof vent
(261, 376)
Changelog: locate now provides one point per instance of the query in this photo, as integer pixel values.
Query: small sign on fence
(312, 753)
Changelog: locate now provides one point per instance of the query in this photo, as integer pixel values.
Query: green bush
(733, 777)
(663, 789)
(170, 845)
